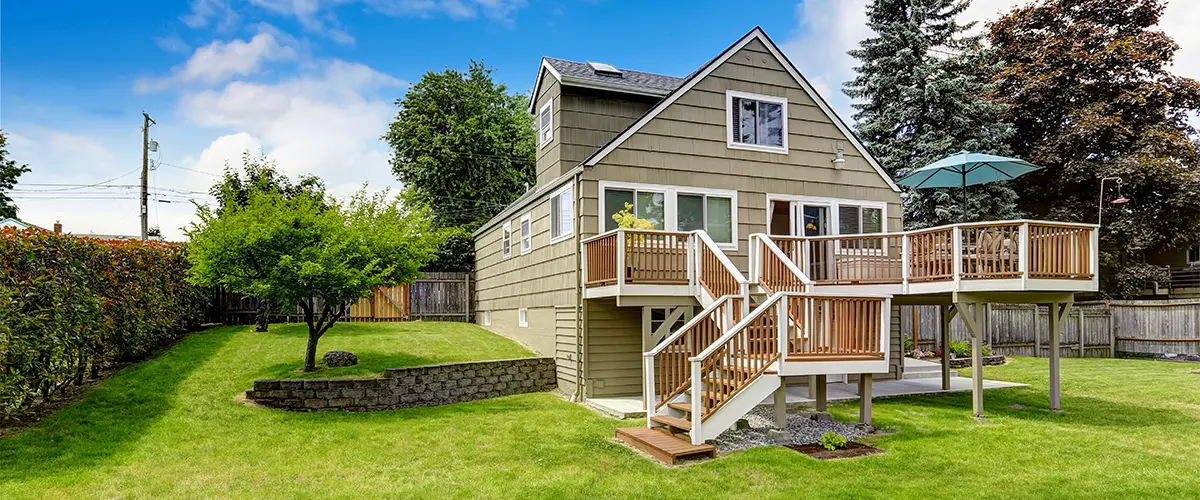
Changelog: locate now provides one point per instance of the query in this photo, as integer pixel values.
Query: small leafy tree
(626, 219)
(9, 171)
(317, 253)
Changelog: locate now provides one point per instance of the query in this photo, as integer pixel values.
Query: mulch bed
(851, 450)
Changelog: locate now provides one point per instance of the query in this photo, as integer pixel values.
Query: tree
(319, 254)
(465, 146)
(9, 171)
(921, 97)
(1087, 87)
(261, 176)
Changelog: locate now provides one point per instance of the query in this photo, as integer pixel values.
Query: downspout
(579, 317)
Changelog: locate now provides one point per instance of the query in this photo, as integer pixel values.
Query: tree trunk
(310, 355)
(262, 316)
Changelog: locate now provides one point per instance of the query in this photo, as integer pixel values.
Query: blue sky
(313, 82)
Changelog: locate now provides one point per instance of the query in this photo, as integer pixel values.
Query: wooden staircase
(664, 444)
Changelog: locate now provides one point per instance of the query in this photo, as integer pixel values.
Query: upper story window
(506, 240)
(674, 208)
(756, 122)
(561, 215)
(526, 235)
(545, 123)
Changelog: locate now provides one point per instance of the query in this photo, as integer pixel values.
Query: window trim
(526, 239)
(506, 240)
(523, 317)
(834, 204)
(567, 232)
(549, 124)
(1188, 257)
(732, 144)
(670, 215)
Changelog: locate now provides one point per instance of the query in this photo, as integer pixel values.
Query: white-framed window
(756, 122)
(523, 317)
(506, 240)
(487, 318)
(545, 123)
(674, 208)
(1193, 256)
(815, 216)
(526, 235)
(562, 215)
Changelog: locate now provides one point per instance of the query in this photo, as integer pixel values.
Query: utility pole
(146, 122)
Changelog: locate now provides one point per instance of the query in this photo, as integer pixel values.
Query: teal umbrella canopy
(964, 169)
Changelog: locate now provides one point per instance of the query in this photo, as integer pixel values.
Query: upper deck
(1003, 256)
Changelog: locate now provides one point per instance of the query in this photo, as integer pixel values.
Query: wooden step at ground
(672, 422)
(663, 446)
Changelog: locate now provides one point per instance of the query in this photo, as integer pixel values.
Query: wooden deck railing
(931, 255)
(601, 259)
(657, 257)
(717, 275)
(777, 273)
(670, 365)
(736, 359)
(991, 251)
(1059, 252)
(836, 328)
(967, 252)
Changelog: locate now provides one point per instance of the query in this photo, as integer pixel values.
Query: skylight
(604, 69)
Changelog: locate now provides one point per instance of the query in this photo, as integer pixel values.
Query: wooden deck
(663, 445)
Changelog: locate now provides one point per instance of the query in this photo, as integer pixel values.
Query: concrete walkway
(631, 406)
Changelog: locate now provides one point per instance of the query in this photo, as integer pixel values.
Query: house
(776, 258)
(1183, 268)
(15, 222)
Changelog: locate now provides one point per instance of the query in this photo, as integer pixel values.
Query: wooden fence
(444, 296)
(1156, 328)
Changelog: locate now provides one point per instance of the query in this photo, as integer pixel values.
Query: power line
(79, 186)
(172, 165)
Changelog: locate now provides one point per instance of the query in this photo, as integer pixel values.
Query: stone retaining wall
(410, 387)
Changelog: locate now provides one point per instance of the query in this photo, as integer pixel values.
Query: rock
(741, 424)
(822, 417)
(334, 359)
(779, 436)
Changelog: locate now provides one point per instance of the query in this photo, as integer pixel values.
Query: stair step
(672, 422)
(663, 446)
(683, 407)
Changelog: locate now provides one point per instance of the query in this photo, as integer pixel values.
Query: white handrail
(787, 261)
(716, 250)
(692, 322)
(1014, 222)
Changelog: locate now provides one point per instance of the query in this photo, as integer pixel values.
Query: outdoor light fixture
(839, 162)
(1121, 199)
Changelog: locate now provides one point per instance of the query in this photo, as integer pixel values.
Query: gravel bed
(802, 428)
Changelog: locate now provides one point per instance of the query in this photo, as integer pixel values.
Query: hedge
(70, 305)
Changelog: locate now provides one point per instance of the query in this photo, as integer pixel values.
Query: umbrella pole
(963, 217)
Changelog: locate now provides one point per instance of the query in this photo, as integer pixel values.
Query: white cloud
(220, 61)
(327, 123)
(318, 16)
(829, 28)
(172, 43)
(215, 12)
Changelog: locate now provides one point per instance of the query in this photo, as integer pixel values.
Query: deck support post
(781, 404)
(948, 312)
(1059, 311)
(972, 315)
(864, 398)
(818, 393)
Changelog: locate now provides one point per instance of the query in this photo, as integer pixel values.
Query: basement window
(523, 317)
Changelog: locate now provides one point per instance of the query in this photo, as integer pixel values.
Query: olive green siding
(543, 280)
(584, 120)
(548, 154)
(686, 145)
(614, 349)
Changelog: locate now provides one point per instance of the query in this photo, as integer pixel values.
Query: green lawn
(170, 427)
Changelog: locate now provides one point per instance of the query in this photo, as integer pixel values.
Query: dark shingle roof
(635, 81)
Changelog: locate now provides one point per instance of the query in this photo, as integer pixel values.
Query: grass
(170, 427)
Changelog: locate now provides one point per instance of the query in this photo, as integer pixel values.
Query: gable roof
(577, 74)
(15, 222)
(755, 34)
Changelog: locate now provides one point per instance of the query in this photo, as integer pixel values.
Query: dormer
(580, 106)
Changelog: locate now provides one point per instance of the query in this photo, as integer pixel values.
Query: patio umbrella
(964, 169)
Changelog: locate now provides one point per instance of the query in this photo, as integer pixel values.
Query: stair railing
(716, 274)
(772, 269)
(667, 372)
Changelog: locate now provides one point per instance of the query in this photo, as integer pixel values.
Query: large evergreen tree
(920, 96)
(1087, 86)
(465, 146)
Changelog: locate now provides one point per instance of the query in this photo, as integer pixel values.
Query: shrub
(832, 441)
(71, 304)
(908, 345)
